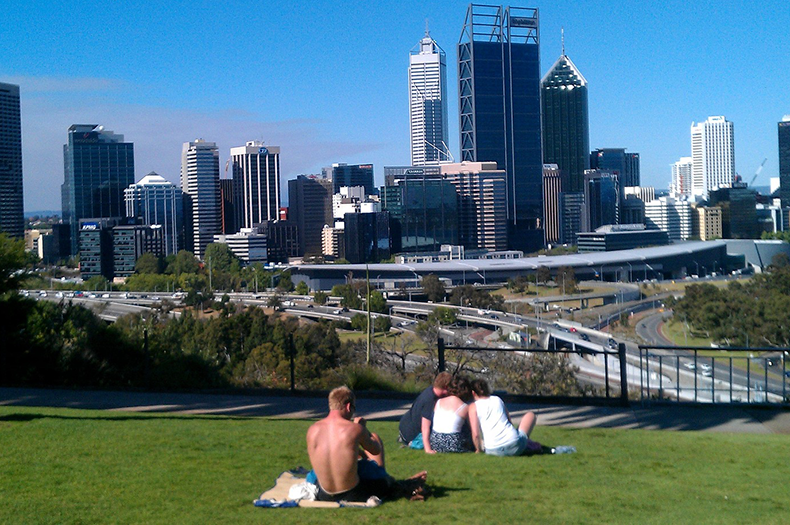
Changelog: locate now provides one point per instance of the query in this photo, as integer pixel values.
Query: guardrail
(609, 397)
(731, 375)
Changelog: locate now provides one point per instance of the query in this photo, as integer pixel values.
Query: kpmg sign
(89, 226)
(520, 21)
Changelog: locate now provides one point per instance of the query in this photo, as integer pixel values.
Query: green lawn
(75, 466)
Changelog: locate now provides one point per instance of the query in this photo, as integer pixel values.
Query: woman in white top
(449, 430)
(492, 430)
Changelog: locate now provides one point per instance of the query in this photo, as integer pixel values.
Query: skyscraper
(713, 156)
(566, 124)
(310, 206)
(256, 183)
(98, 166)
(350, 175)
(428, 103)
(157, 201)
(681, 178)
(617, 161)
(555, 182)
(601, 200)
(200, 184)
(784, 161)
(499, 89)
(12, 219)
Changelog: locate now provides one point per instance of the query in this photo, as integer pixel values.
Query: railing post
(292, 351)
(623, 375)
(441, 354)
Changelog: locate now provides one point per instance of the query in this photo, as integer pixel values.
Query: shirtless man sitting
(347, 458)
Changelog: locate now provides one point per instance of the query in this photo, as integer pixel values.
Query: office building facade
(310, 201)
(248, 244)
(256, 183)
(366, 237)
(12, 220)
(500, 121)
(784, 161)
(482, 204)
(428, 103)
(616, 160)
(681, 178)
(601, 200)
(555, 182)
(130, 241)
(200, 184)
(350, 175)
(571, 209)
(155, 200)
(566, 123)
(709, 223)
(98, 167)
(670, 215)
(712, 156)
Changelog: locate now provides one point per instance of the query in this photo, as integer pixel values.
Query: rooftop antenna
(427, 33)
(562, 32)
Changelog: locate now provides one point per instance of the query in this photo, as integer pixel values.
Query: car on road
(690, 366)
(584, 337)
(92, 296)
(337, 312)
(105, 296)
(611, 343)
(572, 330)
(310, 306)
(787, 373)
(705, 367)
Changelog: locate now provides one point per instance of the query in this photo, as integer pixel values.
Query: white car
(690, 366)
(705, 367)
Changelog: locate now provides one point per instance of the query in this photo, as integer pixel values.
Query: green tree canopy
(221, 259)
(302, 288)
(148, 263)
(12, 263)
(183, 262)
(433, 288)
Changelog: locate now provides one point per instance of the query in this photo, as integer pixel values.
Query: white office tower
(428, 103)
(681, 178)
(158, 201)
(200, 184)
(256, 183)
(671, 215)
(713, 156)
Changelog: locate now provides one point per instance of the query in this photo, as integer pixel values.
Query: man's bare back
(333, 445)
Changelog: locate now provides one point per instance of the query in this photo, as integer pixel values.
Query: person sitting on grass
(348, 459)
(415, 425)
(492, 430)
(450, 429)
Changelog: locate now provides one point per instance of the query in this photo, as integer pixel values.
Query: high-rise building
(571, 208)
(366, 237)
(349, 175)
(12, 219)
(555, 182)
(423, 206)
(617, 161)
(681, 178)
(200, 184)
(248, 244)
(130, 241)
(499, 90)
(428, 103)
(670, 215)
(98, 167)
(738, 211)
(155, 200)
(709, 223)
(482, 204)
(566, 124)
(310, 204)
(713, 156)
(601, 200)
(228, 206)
(256, 183)
(784, 161)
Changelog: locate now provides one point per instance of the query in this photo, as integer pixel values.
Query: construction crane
(758, 171)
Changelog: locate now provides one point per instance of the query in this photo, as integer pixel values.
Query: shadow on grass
(26, 418)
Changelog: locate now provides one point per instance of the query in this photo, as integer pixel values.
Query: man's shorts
(514, 448)
(364, 490)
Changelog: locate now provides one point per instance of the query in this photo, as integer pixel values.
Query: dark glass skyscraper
(616, 160)
(98, 166)
(566, 125)
(784, 161)
(499, 92)
(351, 175)
(11, 202)
(310, 207)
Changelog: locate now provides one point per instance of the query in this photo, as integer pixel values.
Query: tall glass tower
(256, 183)
(784, 161)
(499, 99)
(566, 124)
(98, 166)
(158, 201)
(428, 103)
(11, 203)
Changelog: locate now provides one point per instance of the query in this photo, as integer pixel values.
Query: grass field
(75, 466)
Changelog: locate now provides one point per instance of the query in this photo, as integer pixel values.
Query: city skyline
(646, 84)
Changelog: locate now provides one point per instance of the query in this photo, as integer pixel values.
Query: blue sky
(326, 81)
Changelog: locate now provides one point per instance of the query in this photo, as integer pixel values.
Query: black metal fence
(619, 376)
(714, 375)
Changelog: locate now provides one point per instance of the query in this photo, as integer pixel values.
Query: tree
(220, 258)
(382, 323)
(542, 275)
(320, 297)
(97, 282)
(433, 288)
(377, 302)
(274, 301)
(148, 263)
(443, 316)
(359, 322)
(349, 297)
(183, 262)
(12, 262)
(302, 288)
(566, 278)
(285, 284)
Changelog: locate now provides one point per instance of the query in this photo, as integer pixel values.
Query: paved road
(717, 418)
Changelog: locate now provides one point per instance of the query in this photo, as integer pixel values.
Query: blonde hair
(340, 397)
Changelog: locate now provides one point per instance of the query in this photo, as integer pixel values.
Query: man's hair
(340, 397)
(442, 381)
(481, 388)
